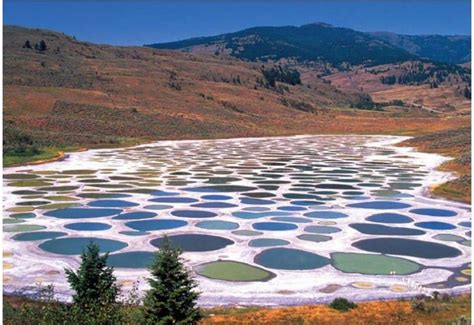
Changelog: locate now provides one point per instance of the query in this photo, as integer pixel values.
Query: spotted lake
(264, 221)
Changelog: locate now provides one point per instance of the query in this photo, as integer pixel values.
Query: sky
(138, 22)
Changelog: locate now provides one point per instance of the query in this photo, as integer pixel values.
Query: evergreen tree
(94, 286)
(171, 298)
(27, 45)
(42, 46)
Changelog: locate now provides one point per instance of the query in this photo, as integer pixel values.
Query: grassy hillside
(334, 45)
(453, 49)
(454, 143)
(312, 42)
(78, 94)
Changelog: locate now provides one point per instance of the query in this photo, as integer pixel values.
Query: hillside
(312, 42)
(455, 49)
(72, 93)
(330, 44)
(428, 85)
(418, 70)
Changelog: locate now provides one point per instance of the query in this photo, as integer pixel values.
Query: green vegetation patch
(373, 264)
(234, 271)
(15, 158)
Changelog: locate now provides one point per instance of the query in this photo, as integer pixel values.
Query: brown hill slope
(76, 93)
(438, 87)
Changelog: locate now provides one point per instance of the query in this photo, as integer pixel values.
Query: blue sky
(148, 21)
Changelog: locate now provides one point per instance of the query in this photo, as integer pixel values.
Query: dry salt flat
(263, 221)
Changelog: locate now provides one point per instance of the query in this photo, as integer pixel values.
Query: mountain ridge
(380, 47)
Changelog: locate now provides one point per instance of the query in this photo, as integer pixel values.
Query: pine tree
(172, 298)
(95, 286)
(27, 45)
(42, 46)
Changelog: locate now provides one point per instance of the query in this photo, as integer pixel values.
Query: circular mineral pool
(220, 189)
(88, 226)
(193, 214)
(256, 209)
(131, 260)
(274, 226)
(251, 201)
(214, 205)
(217, 225)
(158, 207)
(233, 271)
(292, 208)
(380, 205)
(373, 264)
(134, 233)
(322, 229)
(150, 225)
(306, 203)
(434, 212)
(325, 214)
(103, 195)
(22, 228)
(216, 197)
(256, 215)
(267, 242)
(373, 229)
(389, 218)
(10, 221)
(448, 237)
(82, 213)
(290, 259)
(38, 235)
(174, 200)
(112, 204)
(22, 215)
(75, 246)
(246, 232)
(195, 242)
(314, 238)
(163, 193)
(408, 247)
(135, 215)
(435, 225)
(466, 224)
(292, 219)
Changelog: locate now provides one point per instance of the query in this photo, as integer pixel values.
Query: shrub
(342, 304)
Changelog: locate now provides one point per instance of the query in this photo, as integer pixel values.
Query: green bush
(342, 304)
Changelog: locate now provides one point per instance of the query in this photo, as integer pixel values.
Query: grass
(442, 310)
(448, 311)
(454, 143)
(45, 154)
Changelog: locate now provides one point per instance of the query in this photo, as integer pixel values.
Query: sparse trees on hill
(41, 47)
(172, 297)
(278, 73)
